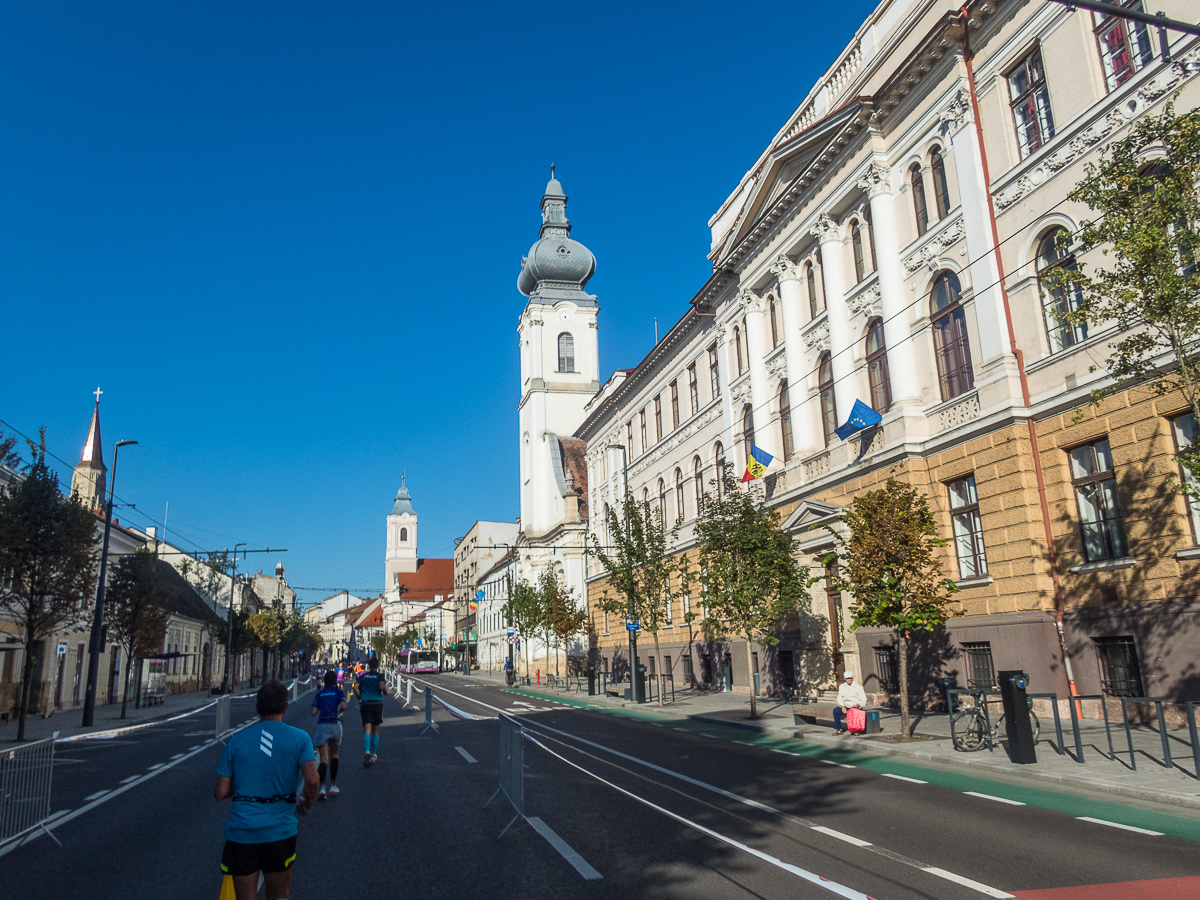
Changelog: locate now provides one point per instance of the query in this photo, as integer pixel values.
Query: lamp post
(630, 618)
(96, 642)
(229, 629)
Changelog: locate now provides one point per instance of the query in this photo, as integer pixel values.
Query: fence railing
(429, 725)
(222, 717)
(511, 768)
(25, 777)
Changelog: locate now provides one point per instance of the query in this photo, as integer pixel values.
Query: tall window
(920, 209)
(774, 323)
(829, 418)
(679, 508)
(658, 432)
(698, 478)
(981, 672)
(748, 428)
(968, 528)
(887, 668)
(566, 352)
(951, 345)
(870, 236)
(662, 504)
(719, 456)
(941, 188)
(404, 534)
(785, 421)
(629, 438)
(1030, 99)
(737, 343)
(642, 424)
(1100, 519)
(1124, 45)
(714, 373)
(1119, 670)
(674, 405)
(877, 367)
(816, 301)
(1185, 431)
(693, 389)
(856, 245)
(1057, 300)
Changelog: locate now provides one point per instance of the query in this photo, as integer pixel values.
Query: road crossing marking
(903, 778)
(857, 842)
(997, 799)
(578, 862)
(745, 743)
(1119, 825)
(95, 796)
(465, 755)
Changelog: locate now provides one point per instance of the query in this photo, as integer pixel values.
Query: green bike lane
(1133, 814)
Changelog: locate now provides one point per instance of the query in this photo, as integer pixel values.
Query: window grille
(1100, 519)
(688, 675)
(981, 673)
(887, 669)
(1120, 673)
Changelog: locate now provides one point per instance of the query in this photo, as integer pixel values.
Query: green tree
(524, 609)
(381, 643)
(749, 569)
(267, 629)
(134, 619)
(890, 565)
(1145, 193)
(48, 557)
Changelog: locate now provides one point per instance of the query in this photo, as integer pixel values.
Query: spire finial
(402, 471)
(551, 170)
(98, 392)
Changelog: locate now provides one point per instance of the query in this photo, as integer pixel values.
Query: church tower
(90, 478)
(401, 538)
(560, 365)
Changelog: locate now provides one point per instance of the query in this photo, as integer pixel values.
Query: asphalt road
(623, 808)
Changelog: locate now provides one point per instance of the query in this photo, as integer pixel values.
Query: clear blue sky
(284, 238)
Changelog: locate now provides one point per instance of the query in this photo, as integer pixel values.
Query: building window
(774, 323)
(941, 188)
(856, 245)
(748, 428)
(877, 368)
(679, 510)
(642, 425)
(1119, 670)
(688, 676)
(810, 281)
(662, 504)
(566, 353)
(1124, 45)
(870, 236)
(698, 478)
(1030, 101)
(403, 534)
(737, 343)
(829, 418)
(719, 456)
(629, 436)
(667, 608)
(981, 673)
(674, 405)
(1185, 438)
(968, 528)
(1058, 300)
(693, 389)
(658, 432)
(1100, 518)
(887, 669)
(951, 345)
(920, 209)
(785, 421)
(714, 376)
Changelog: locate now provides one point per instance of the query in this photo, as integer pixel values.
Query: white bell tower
(401, 539)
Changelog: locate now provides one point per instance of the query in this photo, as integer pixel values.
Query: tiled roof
(433, 577)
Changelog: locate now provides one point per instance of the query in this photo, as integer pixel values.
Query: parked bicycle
(971, 728)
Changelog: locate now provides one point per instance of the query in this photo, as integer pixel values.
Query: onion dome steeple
(557, 267)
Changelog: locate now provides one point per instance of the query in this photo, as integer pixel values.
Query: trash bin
(945, 685)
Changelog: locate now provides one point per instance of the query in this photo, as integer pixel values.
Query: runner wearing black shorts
(369, 689)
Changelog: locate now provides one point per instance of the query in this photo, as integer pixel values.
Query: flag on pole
(474, 606)
(757, 463)
(861, 416)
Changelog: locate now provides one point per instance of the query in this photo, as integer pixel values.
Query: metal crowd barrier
(222, 717)
(25, 776)
(429, 725)
(511, 768)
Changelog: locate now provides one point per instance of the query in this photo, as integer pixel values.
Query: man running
(341, 675)
(259, 770)
(369, 690)
(328, 706)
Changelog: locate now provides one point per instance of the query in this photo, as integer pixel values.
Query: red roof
(433, 577)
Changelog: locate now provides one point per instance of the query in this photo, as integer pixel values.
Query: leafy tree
(48, 557)
(1145, 192)
(891, 566)
(524, 609)
(267, 628)
(244, 638)
(381, 643)
(749, 569)
(9, 457)
(564, 618)
(134, 619)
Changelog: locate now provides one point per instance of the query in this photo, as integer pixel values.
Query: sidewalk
(1177, 786)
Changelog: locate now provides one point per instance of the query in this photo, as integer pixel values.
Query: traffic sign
(632, 626)
(511, 639)
(511, 632)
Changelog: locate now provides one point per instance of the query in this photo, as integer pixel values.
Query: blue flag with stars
(861, 416)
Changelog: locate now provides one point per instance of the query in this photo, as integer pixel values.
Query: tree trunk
(128, 670)
(750, 672)
(658, 663)
(26, 674)
(902, 666)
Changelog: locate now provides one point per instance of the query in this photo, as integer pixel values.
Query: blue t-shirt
(368, 687)
(327, 702)
(264, 761)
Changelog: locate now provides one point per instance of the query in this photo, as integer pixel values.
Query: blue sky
(284, 238)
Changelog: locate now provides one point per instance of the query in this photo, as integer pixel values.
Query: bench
(822, 714)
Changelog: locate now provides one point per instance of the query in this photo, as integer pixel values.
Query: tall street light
(229, 630)
(96, 642)
(630, 617)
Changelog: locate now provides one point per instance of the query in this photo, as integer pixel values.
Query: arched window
(774, 323)
(698, 477)
(785, 421)
(737, 343)
(662, 504)
(679, 508)
(877, 367)
(951, 345)
(566, 352)
(870, 236)
(719, 456)
(918, 191)
(404, 534)
(748, 428)
(829, 417)
(941, 189)
(1054, 253)
(645, 495)
(607, 513)
(856, 245)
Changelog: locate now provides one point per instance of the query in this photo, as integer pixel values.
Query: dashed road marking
(1119, 825)
(465, 755)
(966, 882)
(997, 799)
(857, 842)
(903, 778)
(578, 862)
(155, 766)
(177, 756)
(830, 762)
(707, 735)
(130, 778)
(95, 796)
(197, 747)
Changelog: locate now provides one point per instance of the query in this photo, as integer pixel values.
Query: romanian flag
(757, 463)
(474, 607)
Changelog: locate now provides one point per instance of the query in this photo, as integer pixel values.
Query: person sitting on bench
(850, 695)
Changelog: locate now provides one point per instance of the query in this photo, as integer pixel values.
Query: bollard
(429, 723)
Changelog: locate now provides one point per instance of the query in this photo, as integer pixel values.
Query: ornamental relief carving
(817, 466)
(825, 229)
(784, 269)
(935, 247)
(866, 303)
(817, 338)
(777, 368)
(960, 413)
(878, 180)
(750, 301)
(676, 440)
(741, 391)
(958, 113)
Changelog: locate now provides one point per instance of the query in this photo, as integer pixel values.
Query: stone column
(804, 421)
(760, 389)
(902, 365)
(826, 231)
(724, 336)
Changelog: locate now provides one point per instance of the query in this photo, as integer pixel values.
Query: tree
(751, 576)
(48, 557)
(564, 618)
(266, 627)
(890, 565)
(1146, 194)
(134, 619)
(381, 643)
(524, 609)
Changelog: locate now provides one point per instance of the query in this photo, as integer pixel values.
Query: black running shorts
(247, 859)
(372, 713)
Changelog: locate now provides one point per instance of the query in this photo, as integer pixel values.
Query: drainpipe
(1020, 358)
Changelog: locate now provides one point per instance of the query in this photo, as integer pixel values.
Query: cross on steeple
(98, 392)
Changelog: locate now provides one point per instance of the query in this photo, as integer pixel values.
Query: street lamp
(630, 620)
(229, 630)
(94, 646)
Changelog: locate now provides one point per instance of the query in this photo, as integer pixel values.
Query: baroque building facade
(889, 245)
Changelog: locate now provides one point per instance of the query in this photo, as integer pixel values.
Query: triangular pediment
(809, 513)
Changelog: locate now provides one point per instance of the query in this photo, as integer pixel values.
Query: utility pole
(229, 630)
(631, 623)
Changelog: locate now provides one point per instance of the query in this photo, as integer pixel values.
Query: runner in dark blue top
(369, 689)
(328, 706)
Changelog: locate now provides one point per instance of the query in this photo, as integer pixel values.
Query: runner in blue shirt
(259, 770)
(328, 706)
(369, 689)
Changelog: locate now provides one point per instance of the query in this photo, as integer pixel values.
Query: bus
(423, 662)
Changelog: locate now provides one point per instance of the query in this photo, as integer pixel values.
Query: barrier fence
(511, 769)
(222, 717)
(25, 777)
(429, 725)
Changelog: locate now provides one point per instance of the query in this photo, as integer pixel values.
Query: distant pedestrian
(258, 771)
(328, 705)
(369, 689)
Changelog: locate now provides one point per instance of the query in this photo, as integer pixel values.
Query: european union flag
(861, 416)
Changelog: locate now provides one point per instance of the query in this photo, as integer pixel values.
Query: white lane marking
(465, 755)
(857, 842)
(966, 882)
(997, 799)
(745, 743)
(580, 864)
(177, 756)
(130, 779)
(830, 762)
(197, 747)
(157, 766)
(903, 778)
(707, 735)
(1119, 825)
(96, 796)
(784, 752)
(684, 730)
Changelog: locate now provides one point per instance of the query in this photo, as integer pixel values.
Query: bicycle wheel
(1033, 724)
(966, 730)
